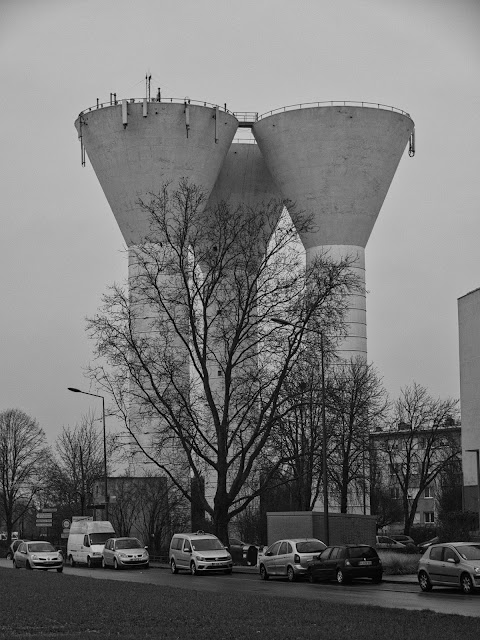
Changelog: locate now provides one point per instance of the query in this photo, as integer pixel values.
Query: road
(396, 596)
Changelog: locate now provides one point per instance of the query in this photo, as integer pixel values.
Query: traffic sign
(66, 524)
(48, 510)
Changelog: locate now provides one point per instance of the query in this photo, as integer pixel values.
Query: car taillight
(296, 558)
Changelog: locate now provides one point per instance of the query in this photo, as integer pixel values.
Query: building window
(428, 492)
(429, 517)
(395, 492)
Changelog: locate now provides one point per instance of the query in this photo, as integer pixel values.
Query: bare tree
(191, 349)
(420, 444)
(76, 463)
(23, 457)
(356, 401)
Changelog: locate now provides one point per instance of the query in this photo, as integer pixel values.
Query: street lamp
(326, 523)
(95, 395)
(477, 452)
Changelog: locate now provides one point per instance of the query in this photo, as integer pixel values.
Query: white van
(86, 540)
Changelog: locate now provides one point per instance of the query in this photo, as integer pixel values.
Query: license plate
(364, 562)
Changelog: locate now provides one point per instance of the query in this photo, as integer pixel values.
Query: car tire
(193, 568)
(311, 577)
(340, 576)
(9, 556)
(173, 566)
(466, 583)
(263, 573)
(15, 565)
(60, 570)
(71, 561)
(28, 566)
(291, 574)
(116, 566)
(424, 581)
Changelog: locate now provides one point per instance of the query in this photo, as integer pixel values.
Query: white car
(38, 554)
(386, 543)
(121, 553)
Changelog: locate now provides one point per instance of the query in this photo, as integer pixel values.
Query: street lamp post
(477, 452)
(95, 395)
(326, 519)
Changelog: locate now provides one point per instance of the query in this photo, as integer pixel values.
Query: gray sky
(60, 245)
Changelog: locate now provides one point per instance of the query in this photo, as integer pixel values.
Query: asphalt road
(397, 596)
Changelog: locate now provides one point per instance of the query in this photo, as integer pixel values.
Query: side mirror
(269, 553)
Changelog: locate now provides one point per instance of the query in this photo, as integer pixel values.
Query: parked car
(242, 552)
(12, 548)
(400, 537)
(423, 546)
(290, 557)
(346, 562)
(198, 552)
(121, 553)
(38, 554)
(385, 542)
(451, 564)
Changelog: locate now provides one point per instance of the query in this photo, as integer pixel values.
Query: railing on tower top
(334, 103)
(117, 101)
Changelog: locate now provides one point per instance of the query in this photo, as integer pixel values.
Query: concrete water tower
(336, 162)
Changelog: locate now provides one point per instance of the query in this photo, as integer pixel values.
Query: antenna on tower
(148, 79)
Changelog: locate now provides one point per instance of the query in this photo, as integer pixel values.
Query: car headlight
(145, 554)
(476, 570)
(229, 557)
(122, 555)
(201, 558)
(34, 557)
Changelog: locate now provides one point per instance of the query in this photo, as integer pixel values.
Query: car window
(177, 543)
(334, 553)
(22, 547)
(469, 552)
(128, 543)
(187, 546)
(99, 538)
(41, 546)
(362, 551)
(325, 553)
(450, 555)
(436, 553)
(207, 544)
(274, 548)
(283, 549)
(310, 546)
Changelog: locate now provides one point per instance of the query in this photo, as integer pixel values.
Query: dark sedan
(345, 562)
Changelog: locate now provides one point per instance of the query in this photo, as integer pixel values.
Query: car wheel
(115, 564)
(424, 581)
(9, 556)
(193, 568)
(291, 574)
(104, 564)
(173, 566)
(15, 565)
(71, 561)
(466, 584)
(311, 577)
(340, 577)
(60, 570)
(28, 566)
(263, 573)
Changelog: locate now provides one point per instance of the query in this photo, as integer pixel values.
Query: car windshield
(128, 543)
(41, 546)
(362, 552)
(470, 552)
(207, 544)
(99, 538)
(310, 546)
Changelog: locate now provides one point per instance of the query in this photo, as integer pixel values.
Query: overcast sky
(60, 246)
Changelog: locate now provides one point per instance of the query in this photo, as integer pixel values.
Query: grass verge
(38, 606)
(396, 564)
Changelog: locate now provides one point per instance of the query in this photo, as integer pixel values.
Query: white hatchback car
(289, 558)
(120, 553)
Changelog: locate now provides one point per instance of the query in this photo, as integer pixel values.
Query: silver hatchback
(454, 564)
(289, 558)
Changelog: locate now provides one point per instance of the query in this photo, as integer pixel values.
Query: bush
(421, 533)
(455, 526)
(398, 564)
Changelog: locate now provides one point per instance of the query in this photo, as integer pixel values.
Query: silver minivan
(198, 552)
(289, 558)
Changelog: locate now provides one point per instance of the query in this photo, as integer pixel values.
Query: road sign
(48, 510)
(64, 535)
(43, 524)
(66, 524)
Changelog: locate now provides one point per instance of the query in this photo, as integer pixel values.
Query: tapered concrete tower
(136, 147)
(336, 163)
